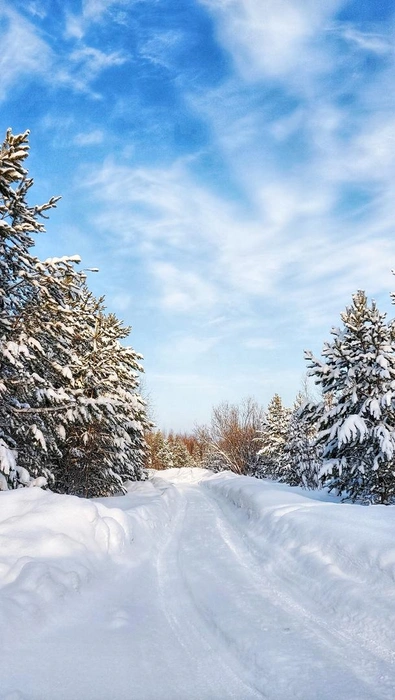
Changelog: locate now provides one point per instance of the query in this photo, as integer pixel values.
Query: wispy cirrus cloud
(27, 52)
(34, 60)
(372, 41)
(182, 291)
(159, 48)
(93, 13)
(92, 61)
(94, 9)
(89, 138)
(88, 63)
(270, 38)
(203, 253)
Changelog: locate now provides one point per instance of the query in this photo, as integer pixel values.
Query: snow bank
(341, 556)
(51, 545)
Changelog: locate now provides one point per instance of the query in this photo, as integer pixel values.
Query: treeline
(344, 441)
(245, 439)
(71, 416)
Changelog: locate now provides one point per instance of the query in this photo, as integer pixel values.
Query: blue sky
(229, 165)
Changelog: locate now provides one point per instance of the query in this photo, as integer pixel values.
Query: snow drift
(51, 544)
(340, 556)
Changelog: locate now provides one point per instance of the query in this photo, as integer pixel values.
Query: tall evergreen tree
(180, 454)
(70, 410)
(21, 427)
(272, 437)
(103, 439)
(356, 428)
(165, 455)
(302, 456)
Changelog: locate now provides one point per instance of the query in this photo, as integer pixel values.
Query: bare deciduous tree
(230, 440)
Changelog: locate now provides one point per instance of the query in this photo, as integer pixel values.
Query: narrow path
(201, 620)
(278, 647)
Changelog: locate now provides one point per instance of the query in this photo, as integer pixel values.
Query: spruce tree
(154, 441)
(70, 414)
(272, 437)
(214, 460)
(21, 426)
(356, 428)
(179, 452)
(103, 441)
(165, 455)
(302, 456)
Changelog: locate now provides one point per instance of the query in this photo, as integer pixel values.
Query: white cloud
(294, 240)
(36, 9)
(204, 252)
(74, 26)
(82, 66)
(89, 138)
(364, 40)
(88, 62)
(95, 12)
(268, 38)
(92, 61)
(159, 49)
(166, 212)
(94, 9)
(182, 291)
(371, 155)
(23, 52)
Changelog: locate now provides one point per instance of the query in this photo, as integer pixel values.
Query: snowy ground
(196, 587)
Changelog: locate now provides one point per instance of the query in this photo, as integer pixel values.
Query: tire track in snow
(190, 627)
(250, 557)
(268, 630)
(255, 556)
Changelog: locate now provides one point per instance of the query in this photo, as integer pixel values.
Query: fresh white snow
(196, 586)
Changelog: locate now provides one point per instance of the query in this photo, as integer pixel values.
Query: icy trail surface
(196, 587)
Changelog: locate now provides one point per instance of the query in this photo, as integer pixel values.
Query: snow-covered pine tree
(70, 408)
(165, 455)
(47, 320)
(302, 456)
(357, 427)
(215, 461)
(271, 438)
(103, 441)
(154, 441)
(20, 425)
(179, 452)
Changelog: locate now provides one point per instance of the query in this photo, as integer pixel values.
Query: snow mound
(340, 556)
(51, 545)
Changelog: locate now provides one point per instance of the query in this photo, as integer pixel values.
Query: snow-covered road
(211, 614)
